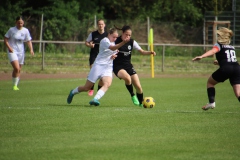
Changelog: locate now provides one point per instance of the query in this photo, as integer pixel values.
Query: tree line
(69, 19)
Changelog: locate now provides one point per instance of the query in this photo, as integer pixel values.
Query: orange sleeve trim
(216, 48)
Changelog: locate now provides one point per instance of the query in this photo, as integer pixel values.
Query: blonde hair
(224, 35)
(112, 30)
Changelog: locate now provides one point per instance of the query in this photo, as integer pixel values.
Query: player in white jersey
(102, 67)
(93, 41)
(14, 40)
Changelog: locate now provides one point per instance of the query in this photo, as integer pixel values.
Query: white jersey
(17, 37)
(104, 56)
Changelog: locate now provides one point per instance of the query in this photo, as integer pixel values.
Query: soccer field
(37, 123)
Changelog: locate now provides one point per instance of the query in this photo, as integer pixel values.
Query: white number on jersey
(231, 56)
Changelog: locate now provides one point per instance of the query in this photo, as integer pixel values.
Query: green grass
(37, 123)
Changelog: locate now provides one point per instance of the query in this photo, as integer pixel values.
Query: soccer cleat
(209, 106)
(94, 102)
(140, 105)
(70, 97)
(15, 88)
(90, 92)
(135, 100)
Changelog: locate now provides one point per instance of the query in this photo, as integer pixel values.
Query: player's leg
(106, 76)
(91, 61)
(79, 89)
(236, 89)
(100, 84)
(122, 74)
(14, 60)
(15, 74)
(235, 81)
(106, 81)
(211, 93)
(138, 87)
(93, 75)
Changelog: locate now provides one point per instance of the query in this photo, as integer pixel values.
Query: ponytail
(124, 28)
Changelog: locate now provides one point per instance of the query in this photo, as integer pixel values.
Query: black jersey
(96, 38)
(124, 55)
(226, 55)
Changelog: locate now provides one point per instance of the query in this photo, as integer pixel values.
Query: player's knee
(127, 80)
(17, 70)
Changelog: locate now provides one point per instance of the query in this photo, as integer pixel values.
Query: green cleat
(140, 105)
(70, 97)
(94, 102)
(135, 100)
(15, 88)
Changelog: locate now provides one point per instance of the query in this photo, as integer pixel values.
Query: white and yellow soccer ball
(148, 102)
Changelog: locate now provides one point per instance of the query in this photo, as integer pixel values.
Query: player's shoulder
(25, 29)
(13, 28)
(105, 40)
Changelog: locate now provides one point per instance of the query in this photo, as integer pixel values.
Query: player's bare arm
(114, 47)
(89, 44)
(207, 54)
(7, 44)
(147, 52)
(30, 47)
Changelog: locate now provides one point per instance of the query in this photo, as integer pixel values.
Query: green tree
(61, 20)
(9, 11)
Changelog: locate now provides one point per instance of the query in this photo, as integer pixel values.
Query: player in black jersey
(228, 66)
(123, 68)
(93, 41)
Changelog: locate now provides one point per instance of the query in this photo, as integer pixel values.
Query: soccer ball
(148, 102)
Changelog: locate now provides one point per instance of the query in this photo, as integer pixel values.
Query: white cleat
(209, 106)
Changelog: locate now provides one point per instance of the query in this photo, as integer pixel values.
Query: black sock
(92, 87)
(99, 87)
(211, 94)
(130, 89)
(140, 97)
(239, 99)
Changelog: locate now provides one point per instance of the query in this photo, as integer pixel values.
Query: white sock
(15, 80)
(75, 91)
(99, 94)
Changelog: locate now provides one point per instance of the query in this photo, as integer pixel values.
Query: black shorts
(231, 72)
(128, 68)
(92, 58)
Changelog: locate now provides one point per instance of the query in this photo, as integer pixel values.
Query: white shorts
(98, 71)
(16, 57)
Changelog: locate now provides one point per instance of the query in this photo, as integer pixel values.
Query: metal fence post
(43, 50)
(163, 56)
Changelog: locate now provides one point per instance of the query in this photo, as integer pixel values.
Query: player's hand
(215, 62)
(32, 52)
(91, 44)
(197, 58)
(113, 56)
(10, 50)
(153, 53)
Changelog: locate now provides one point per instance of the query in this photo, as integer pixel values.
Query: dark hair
(124, 28)
(112, 30)
(19, 18)
(100, 20)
